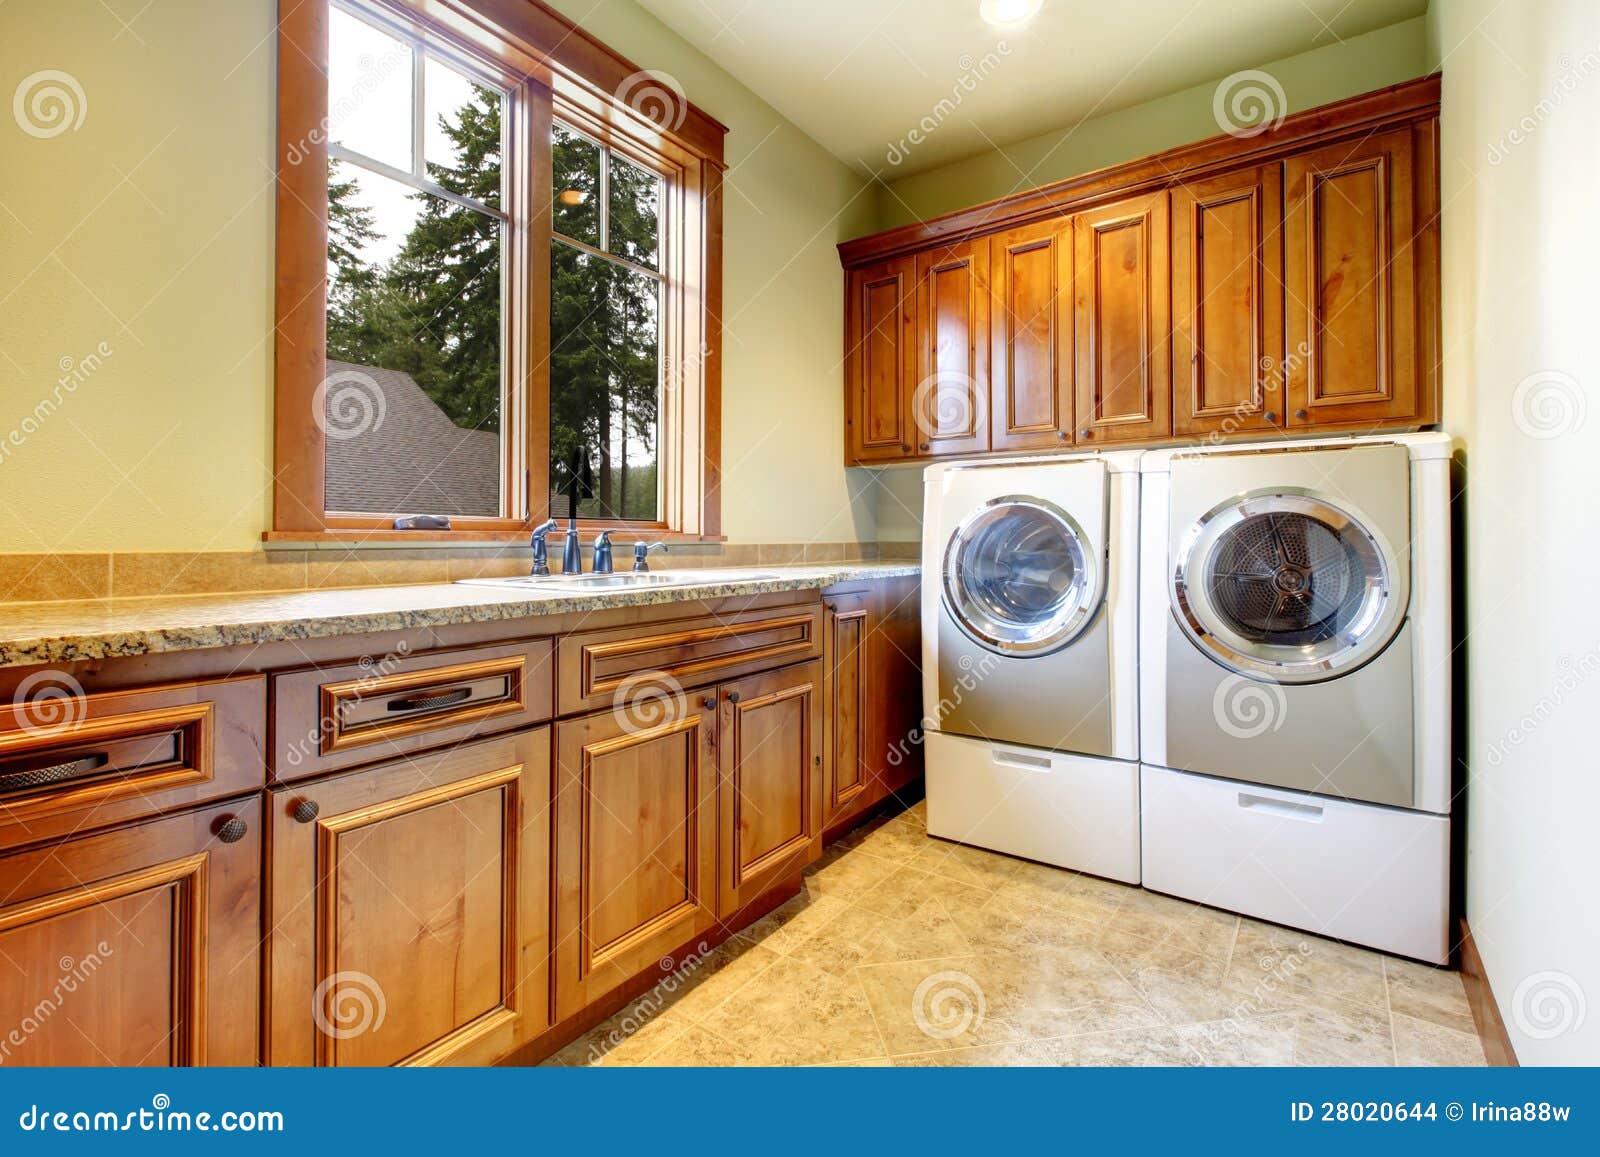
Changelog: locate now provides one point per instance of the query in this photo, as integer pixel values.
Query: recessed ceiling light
(1008, 13)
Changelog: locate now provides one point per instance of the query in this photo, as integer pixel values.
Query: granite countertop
(66, 632)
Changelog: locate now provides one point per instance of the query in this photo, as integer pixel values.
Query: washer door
(1020, 577)
(1286, 586)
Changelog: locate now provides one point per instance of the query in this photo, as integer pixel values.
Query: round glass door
(1019, 577)
(1287, 586)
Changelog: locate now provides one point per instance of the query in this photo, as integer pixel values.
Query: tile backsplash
(50, 577)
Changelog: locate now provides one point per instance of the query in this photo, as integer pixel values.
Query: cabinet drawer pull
(305, 811)
(430, 702)
(53, 773)
(231, 830)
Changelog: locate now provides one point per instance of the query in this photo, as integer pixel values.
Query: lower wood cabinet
(136, 946)
(635, 840)
(770, 795)
(409, 909)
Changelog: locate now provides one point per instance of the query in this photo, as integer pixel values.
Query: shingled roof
(409, 457)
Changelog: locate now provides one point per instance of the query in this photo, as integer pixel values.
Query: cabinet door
(949, 404)
(880, 359)
(1031, 337)
(1227, 292)
(1351, 272)
(135, 946)
(771, 788)
(846, 638)
(894, 700)
(409, 909)
(1121, 281)
(636, 839)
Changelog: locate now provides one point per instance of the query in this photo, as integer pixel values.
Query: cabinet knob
(1086, 433)
(708, 703)
(906, 447)
(231, 830)
(923, 447)
(305, 811)
(1061, 435)
(1300, 414)
(733, 697)
(1271, 415)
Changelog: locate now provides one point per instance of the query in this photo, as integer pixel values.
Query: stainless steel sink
(628, 580)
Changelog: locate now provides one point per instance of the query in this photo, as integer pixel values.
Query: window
(605, 332)
(497, 284)
(416, 282)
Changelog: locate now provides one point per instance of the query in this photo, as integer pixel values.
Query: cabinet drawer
(70, 760)
(326, 718)
(600, 667)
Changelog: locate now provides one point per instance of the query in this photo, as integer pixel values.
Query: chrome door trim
(1066, 628)
(1356, 644)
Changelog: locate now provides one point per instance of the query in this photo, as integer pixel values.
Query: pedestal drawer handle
(430, 702)
(53, 773)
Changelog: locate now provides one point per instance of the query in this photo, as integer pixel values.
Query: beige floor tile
(846, 874)
(1434, 994)
(1423, 1042)
(902, 893)
(695, 990)
(1268, 959)
(1007, 923)
(1165, 920)
(798, 1015)
(887, 839)
(1071, 894)
(1138, 1048)
(629, 1037)
(1267, 1040)
(966, 865)
(1025, 1054)
(1350, 1036)
(697, 1047)
(793, 922)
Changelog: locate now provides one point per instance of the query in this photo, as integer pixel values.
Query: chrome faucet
(602, 552)
(641, 553)
(541, 549)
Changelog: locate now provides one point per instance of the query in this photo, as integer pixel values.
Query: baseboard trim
(1492, 1033)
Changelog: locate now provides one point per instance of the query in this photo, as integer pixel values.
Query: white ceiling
(858, 75)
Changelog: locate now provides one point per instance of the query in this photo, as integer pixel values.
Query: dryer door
(1286, 585)
(1020, 577)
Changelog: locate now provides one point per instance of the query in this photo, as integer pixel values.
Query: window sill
(453, 539)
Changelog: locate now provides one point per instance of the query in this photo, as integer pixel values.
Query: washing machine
(1030, 653)
(1295, 678)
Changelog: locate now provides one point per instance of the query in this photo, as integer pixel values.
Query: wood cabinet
(409, 908)
(136, 946)
(1121, 303)
(635, 840)
(1234, 288)
(949, 403)
(1228, 300)
(1356, 304)
(880, 359)
(770, 793)
(1031, 359)
(873, 670)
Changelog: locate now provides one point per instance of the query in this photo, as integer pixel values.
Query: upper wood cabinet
(1236, 287)
(1121, 292)
(949, 403)
(770, 799)
(1031, 337)
(1355, 303)
(636, 840)
(1227, 300)
(409, 909)
(136, 946)
(880, 359)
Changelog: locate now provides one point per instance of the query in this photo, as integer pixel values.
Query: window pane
(461, 133)
(575, 186)
(413, 395)
(604, 388)
(635, 196)
(369, 90)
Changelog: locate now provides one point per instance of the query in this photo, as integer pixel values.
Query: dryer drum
(1287, 586)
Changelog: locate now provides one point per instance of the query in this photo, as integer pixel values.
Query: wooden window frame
(554, 70)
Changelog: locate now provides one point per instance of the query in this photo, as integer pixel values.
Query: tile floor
(906, 950)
